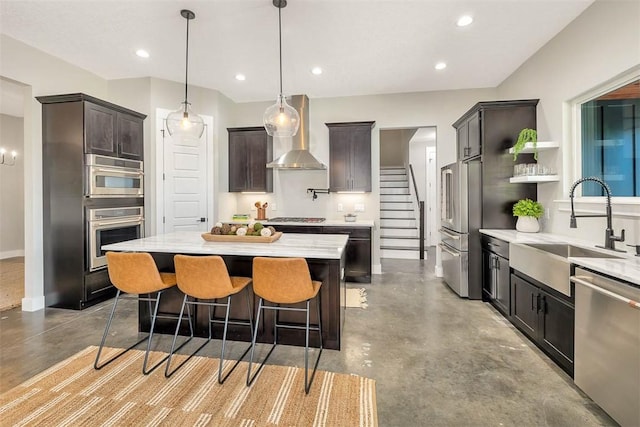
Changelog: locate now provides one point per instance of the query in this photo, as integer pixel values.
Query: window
(610, 141)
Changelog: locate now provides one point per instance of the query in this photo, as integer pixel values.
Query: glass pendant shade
(281, 119)
(185, 124)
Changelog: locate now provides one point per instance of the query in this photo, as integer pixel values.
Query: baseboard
(438, 271)
(11, 254)
(33, 304)
(377, 269)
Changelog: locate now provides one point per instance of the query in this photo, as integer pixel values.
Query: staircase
(399, 233)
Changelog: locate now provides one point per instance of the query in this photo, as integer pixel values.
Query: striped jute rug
(72, 393)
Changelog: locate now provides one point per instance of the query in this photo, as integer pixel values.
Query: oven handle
(446, 249)
(126, 221)
(446, 233)
(580, 280)
(119, 171)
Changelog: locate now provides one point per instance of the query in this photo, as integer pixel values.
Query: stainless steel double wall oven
(115, 217)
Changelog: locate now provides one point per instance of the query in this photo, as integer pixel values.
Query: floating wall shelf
(534, 178)
(541, 146)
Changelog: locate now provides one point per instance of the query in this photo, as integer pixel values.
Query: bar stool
(285, 281)
(207, 278)
(137, 274)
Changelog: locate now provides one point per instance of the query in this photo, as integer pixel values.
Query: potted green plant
(528, 213)
(526, 135)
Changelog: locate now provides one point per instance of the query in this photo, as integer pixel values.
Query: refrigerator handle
(451, 235)
(446, 249)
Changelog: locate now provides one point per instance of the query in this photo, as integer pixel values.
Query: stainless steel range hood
(299, 156)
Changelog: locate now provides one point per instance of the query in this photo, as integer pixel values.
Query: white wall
(12, 188)
(44, 75)
(439, 109)
(145, 95)
(600, 44)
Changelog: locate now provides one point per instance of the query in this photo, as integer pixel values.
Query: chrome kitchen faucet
(609, 238)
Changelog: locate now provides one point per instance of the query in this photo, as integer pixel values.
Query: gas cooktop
(295, 219)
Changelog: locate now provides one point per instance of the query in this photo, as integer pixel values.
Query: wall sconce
(4, 160)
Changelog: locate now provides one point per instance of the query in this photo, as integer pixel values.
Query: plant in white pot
(528, 213)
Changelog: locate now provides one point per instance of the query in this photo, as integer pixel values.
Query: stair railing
(421, 211)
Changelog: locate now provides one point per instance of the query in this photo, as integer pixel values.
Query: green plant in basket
(526, 135)
(527, 207)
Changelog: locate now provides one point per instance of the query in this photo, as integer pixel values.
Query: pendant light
(183, 123)
(281, 119)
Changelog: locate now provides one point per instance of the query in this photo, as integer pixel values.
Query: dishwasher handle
(631, 303)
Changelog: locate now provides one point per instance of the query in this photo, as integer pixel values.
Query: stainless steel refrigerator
(460, 219)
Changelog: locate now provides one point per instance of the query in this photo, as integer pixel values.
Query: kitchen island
(325, 255)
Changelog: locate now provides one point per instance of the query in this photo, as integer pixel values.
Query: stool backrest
(134, 273)
(282, 280)
(204, 277)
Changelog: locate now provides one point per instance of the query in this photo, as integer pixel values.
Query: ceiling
(364, 46)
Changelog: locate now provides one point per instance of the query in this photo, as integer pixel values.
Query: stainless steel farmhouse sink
(548, 263)
(565, 250)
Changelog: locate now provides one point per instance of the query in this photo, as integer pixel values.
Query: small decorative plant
(527, 207)
(526, 135)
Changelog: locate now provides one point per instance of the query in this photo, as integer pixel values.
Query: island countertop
(310, 246)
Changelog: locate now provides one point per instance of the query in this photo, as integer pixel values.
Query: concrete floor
(437, 359)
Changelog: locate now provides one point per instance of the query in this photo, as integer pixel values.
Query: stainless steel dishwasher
(607, 344)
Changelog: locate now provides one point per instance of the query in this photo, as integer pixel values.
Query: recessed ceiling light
(464, 20)
(142, 53)
(441, 66)
(241, 77)
(316, 70)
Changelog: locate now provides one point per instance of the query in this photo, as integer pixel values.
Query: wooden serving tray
(241, 239)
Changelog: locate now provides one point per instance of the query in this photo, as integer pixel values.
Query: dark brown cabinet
(74, 125)
(358, 251)
(546, 317)
(469, 141)
(496, 274)
(250, 149)
(350, 156)
(112, 133)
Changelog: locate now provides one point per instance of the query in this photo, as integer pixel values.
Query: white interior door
(185, 178)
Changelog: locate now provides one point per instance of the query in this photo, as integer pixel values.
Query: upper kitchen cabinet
(490, 128)
(250, 149)
(350, 156)
(109, 130)
(469, 142)
(112, 133)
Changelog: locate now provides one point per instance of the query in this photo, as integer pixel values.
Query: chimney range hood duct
(299, 157)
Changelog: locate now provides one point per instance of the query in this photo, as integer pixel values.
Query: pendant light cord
(186, 68)
(280, 44)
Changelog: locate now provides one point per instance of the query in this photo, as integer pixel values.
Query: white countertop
(327, 222)
(626, 268)
(319, 246)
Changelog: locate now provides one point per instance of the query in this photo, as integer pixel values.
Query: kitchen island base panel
(332, 297)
